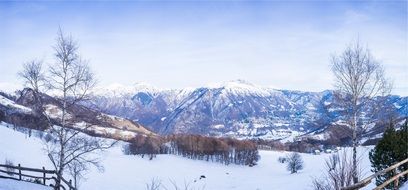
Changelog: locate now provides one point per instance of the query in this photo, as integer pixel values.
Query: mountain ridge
(235, 108)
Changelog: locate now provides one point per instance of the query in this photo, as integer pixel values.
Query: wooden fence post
(19, 171)
(70, 184)
(396, 180)
(43, 175)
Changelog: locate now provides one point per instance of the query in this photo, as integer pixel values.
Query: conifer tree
(392, 148)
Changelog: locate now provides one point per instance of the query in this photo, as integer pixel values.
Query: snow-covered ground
(9, 184)
(124, 172)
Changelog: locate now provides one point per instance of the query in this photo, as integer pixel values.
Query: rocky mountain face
(235, 108)
(19, 109)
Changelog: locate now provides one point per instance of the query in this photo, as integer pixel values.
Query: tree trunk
(355, 176)
(62, 145)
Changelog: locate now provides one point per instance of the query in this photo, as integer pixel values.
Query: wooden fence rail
(367, 180)
(16, 173)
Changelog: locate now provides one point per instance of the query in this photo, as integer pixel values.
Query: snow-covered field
(9, 184)
(122, 172)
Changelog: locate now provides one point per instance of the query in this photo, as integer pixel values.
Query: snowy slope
(404, 187)
(13, 107)
(21, 149)
(18, 110)
(8, 184)
(269, 174)
(123, 172)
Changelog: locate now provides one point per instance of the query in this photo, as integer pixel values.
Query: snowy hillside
(123, 172)
(236, 108)
(19, 110)
(13, 107)
(8, 184)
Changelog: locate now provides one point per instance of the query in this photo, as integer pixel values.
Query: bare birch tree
(71, 79)
(358, 78)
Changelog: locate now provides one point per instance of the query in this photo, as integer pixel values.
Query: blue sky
(176, 44)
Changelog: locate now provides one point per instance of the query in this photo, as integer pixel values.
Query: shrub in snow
(294, 162)
(9, 170)
(156, 184)
(36, 180)
(281, 159)
(48, 137)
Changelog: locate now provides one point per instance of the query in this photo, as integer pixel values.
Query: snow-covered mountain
(235, 108)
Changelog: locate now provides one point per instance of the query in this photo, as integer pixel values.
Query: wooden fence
(394, 179)
(16, 173)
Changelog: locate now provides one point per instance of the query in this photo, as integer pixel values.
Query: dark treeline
(303, 146)
(222, 150)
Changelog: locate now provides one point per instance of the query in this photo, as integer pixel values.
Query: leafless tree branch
(358, 79)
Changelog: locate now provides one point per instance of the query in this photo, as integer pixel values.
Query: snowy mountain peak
(238, 84)
(145, 87)
(245, 87)
(113, 90)
(232, 83)
(238, 87)
(117, 89)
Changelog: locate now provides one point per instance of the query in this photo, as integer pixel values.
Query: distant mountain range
(236, 108)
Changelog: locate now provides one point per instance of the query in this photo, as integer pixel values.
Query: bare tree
(155, 184)
(359, 78)
(77, 171)
(294, 162)
(9, 171)
(71, 79)
(34, 77)
(338, 174)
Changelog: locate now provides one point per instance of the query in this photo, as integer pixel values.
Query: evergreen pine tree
(392, 148)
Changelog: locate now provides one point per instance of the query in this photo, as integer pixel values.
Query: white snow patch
(397, 105)
(11, 104)
(9, 184)
(218, 126)
(55, 112)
